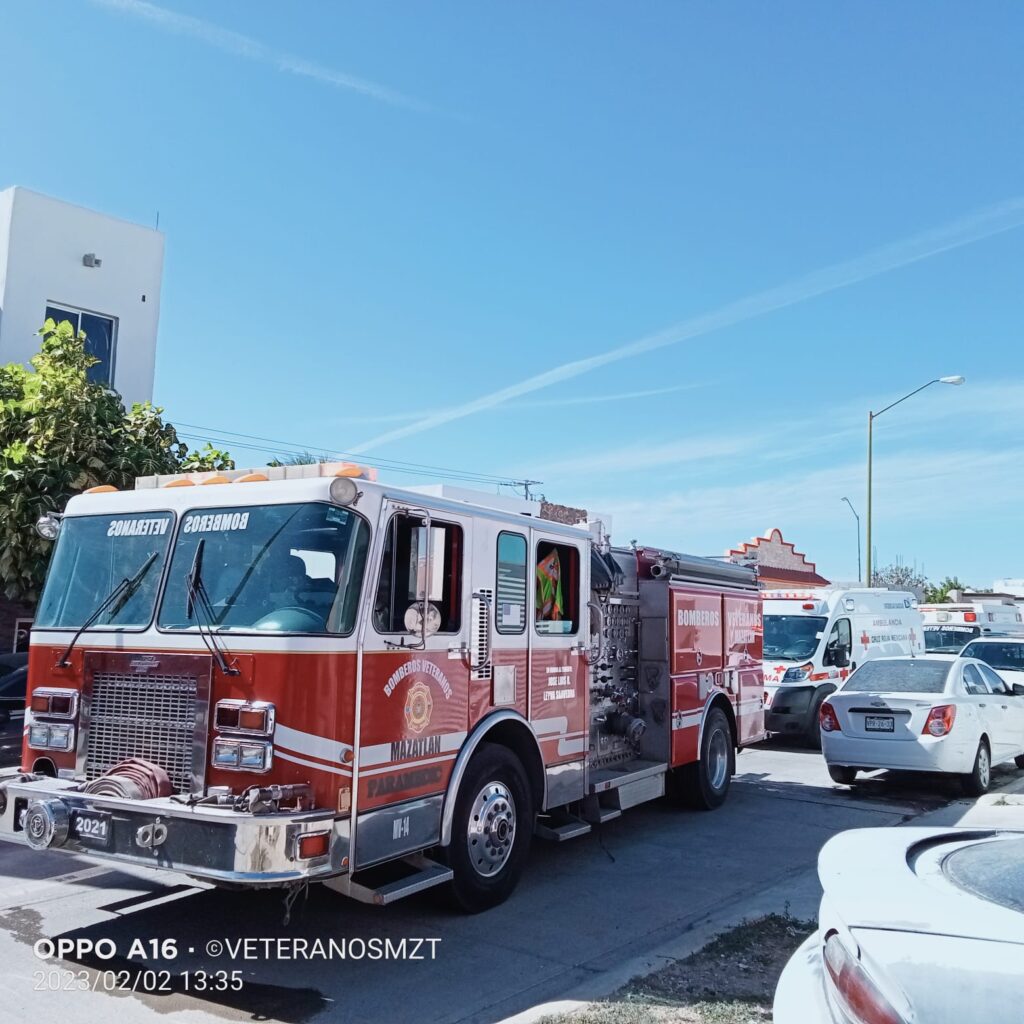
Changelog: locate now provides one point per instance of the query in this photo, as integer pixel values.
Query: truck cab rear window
(557, 588)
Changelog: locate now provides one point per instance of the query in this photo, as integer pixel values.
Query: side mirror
(1018, 689)
(840, 656)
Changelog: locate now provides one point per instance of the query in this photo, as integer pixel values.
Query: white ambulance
(813, 639)
(950, 625)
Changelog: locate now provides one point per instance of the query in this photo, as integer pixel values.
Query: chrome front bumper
(213, 843)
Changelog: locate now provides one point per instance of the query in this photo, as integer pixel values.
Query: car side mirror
(840, 656)
(1018, 689)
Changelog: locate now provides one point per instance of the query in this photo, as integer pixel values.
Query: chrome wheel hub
(984, 768)
(718, 759)
(492, 829)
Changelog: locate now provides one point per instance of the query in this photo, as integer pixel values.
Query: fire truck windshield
(792, 637)
(94, 554)
(270, 568)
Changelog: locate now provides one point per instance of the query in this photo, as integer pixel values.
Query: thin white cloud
(252, 49)
(909, 488)
(536, 403)
(965, 230)
(971, 413)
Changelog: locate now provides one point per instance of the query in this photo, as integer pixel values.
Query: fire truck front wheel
(705, 783)
(491, 829)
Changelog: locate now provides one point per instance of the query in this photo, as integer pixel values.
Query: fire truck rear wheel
(705, 783)
(491, 829)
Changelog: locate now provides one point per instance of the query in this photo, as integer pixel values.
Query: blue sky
(418, 230)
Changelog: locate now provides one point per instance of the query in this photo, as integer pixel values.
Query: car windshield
(93, 555)
(909, 675)
(792, 636)
(1006, 656)
(948, 639)
(271, 568)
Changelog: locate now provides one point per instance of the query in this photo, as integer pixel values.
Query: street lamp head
(951, 380)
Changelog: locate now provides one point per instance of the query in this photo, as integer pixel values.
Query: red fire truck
(267, 678)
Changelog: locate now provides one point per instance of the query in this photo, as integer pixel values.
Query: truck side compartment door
(696, 664)
(744, 678)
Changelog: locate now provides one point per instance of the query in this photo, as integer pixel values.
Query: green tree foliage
(939, 592)
(899, 577)
(61, 434)
(206, 458)
(306, 458)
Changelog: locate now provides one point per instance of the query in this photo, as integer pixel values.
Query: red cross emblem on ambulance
(865, 639)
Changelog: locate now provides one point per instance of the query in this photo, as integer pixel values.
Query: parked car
(13, 686)
(938, 713)
(9, 662)
(915, 924)
(1004, 654)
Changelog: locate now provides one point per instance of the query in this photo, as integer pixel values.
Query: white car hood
(867, 876)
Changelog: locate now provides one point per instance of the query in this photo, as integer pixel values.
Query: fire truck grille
(152, 717)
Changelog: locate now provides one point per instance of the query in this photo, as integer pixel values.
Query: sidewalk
(797, 895)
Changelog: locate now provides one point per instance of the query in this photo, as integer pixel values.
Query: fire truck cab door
(414, 699)
(559, 630)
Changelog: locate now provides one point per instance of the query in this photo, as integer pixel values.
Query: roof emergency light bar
(258, 474)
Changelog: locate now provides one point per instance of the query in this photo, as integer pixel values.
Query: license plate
(94, 827)
(878, 723)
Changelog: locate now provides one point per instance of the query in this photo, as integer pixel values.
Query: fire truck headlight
(242, 755)
(42, 736)
(226, 754)
(256, 756)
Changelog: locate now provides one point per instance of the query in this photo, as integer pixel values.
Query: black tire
(813, 735)
(704, 784)
(488, 850)
(977, 781)
(1019, 761)
(842, 774)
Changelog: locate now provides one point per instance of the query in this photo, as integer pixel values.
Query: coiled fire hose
(134, 779)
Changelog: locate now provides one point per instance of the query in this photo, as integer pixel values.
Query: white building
(1013, 587)
(101, 273)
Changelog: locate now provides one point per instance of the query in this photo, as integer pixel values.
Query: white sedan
(1005, 654)
(916, 925)
(937, 713)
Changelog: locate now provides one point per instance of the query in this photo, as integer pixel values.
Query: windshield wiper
(118, 597)
(198, 600)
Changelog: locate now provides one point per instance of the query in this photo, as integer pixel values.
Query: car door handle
(982, 705)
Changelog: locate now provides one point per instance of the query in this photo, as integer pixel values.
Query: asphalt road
(584, 907)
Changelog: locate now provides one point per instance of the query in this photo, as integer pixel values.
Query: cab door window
(556, 588)
(839, 637)
(403, 574)
(510, 590)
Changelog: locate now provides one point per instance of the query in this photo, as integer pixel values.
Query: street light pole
(860, 577)
(872, 416)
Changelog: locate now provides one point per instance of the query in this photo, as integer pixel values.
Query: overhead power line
(278, 447)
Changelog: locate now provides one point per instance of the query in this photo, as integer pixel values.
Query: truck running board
(559, 831)
(422, 874)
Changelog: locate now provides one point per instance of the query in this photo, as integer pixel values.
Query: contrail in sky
(244, 46)
(971, 228)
